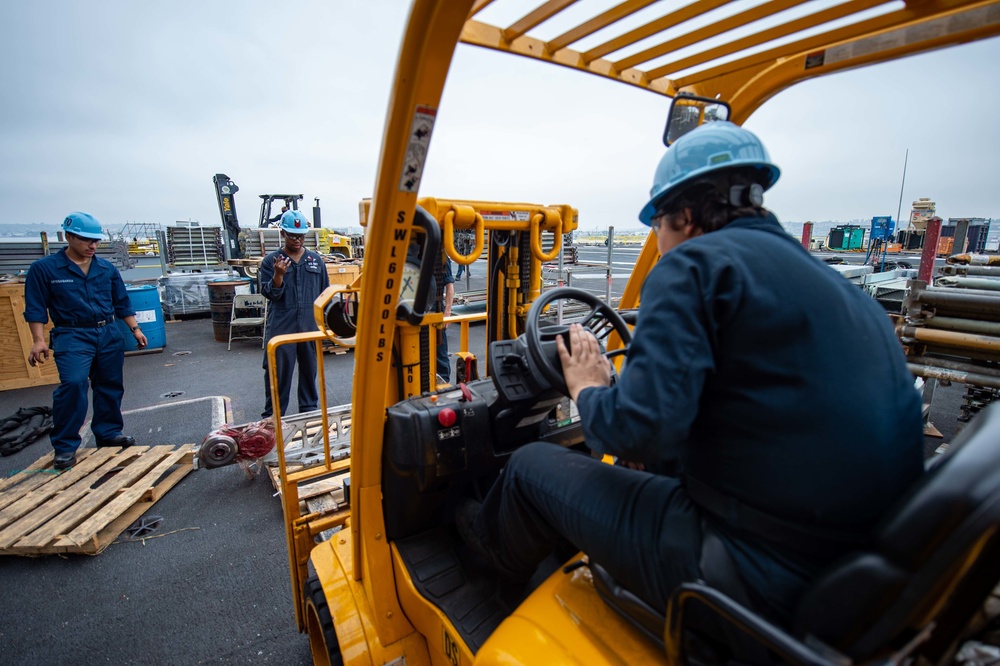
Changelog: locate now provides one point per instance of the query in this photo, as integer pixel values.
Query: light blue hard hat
(708, 149)
(294, 222)
(83, 225)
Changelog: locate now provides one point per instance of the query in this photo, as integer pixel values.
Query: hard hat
(83, 225)
(294, 222)
(707, 150)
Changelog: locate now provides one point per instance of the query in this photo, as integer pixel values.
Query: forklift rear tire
(319, 624)
(339, 255)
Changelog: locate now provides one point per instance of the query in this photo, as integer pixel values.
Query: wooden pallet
(83, 509)
(331, 348)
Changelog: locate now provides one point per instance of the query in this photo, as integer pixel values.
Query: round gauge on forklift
(408, 288)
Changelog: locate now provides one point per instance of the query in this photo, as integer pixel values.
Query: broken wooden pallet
(321, 496)
(335, 349)
(85, 508)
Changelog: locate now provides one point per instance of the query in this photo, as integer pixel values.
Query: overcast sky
(127, 109)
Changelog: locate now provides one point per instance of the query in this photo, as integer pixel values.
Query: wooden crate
(83, 509)
(15, 344)
(343, 273)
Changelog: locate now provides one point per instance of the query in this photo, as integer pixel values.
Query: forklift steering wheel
(601, 320)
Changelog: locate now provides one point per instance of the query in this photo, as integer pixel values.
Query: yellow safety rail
(300, 530)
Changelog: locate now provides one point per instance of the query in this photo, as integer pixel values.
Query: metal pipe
(929, 253)
(975, 259)
(960, 299)
(972, 355)
(161, 241)
(963, 340)
(981, 293)
(989, 271)
(981, 283)
(902, 184)
(807, 234)
(966, 325)
(960, 366)
(953, 376)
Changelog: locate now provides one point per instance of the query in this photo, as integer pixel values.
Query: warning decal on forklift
(914, 34)
(505, 215)
(416, 148)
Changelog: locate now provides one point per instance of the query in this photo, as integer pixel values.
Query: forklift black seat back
(934, 561)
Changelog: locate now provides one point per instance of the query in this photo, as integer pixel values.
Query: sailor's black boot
(121, 440)
(64, 460)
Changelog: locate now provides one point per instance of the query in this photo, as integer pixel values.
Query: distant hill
(25, 230)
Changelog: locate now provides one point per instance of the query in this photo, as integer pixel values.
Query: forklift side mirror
(689, 111)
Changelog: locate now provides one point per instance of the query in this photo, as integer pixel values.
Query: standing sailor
(292, 278)
(83, 294)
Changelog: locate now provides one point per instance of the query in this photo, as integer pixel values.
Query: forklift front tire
(319, 624)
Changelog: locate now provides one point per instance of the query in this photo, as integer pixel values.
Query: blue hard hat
(709, 149)
(83, 225)
(294, 222)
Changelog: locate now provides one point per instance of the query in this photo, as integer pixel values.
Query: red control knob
(447, 417)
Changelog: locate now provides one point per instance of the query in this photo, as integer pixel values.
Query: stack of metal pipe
(971, 271)
(951, 331)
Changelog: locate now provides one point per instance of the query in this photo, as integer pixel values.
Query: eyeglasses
(654, 223)
(84, 241)
(665, 211)
(659, 217)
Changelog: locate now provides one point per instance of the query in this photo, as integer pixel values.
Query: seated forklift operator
(773, 389)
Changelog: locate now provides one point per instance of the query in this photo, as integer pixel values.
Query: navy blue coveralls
(754, 369)
(291, 311)
(86, 346)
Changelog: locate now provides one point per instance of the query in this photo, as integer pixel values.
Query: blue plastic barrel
(148, 314)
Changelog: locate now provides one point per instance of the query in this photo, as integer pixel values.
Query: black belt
(88, 324)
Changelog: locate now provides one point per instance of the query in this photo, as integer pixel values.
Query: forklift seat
(933, 562)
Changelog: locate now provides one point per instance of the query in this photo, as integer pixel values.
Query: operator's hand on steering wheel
(583, 364)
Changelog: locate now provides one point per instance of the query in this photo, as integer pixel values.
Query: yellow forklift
(395, 585)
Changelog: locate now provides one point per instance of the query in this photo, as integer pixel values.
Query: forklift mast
(290, 200)
(225, 188)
